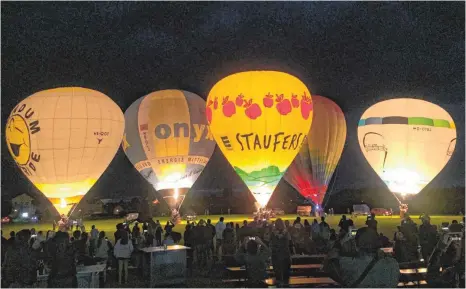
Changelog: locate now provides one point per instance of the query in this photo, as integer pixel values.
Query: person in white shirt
(103, 246)
(219, 228)
(93, 240)
(122, 251)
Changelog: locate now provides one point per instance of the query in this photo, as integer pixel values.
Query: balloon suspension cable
(399, 202)
(333, 185)
(72, 210)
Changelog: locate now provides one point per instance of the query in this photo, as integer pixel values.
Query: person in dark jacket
(20, 269)
(281, 255)
(427, 237)
(63, 271)
(119, 231)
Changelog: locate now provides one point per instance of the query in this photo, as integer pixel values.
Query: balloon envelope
(407, 142)
(312, 169)
(259, 120)
(63, 139)
(168, 141)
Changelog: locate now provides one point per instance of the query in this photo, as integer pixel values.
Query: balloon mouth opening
(403, 181)
(173, 197)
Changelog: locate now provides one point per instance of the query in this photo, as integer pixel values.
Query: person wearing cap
(370, 267)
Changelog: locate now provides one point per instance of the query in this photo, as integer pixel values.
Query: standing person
(211, 243)
(168, 227)
(103, 247)
(281, 255)
(427, 237)
(343, 224)
(228, 245)
(63, 261)
(219, 228)
(119, 231)
(372, 222)
(11, 240)
(93, 241)
(315, 229)
(20, 263)
(122, 251)
(202, 236)
(136, 228)
(254, 254)
(38, 241)
(158, 233)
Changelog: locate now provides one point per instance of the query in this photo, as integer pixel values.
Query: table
(88, 276)
(165, 267)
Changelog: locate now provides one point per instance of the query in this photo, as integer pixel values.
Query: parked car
(6, 220)
(381, 212)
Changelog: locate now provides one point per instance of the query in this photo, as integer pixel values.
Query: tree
(7, 207)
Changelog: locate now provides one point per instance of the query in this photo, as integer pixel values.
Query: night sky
(355, 53)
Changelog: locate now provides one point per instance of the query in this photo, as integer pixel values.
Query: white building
(23, 206)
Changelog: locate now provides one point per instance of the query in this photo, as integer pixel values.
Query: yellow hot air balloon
(63, 139)
(407, 142)
(259, 120)
(168, 141)
(312, 169)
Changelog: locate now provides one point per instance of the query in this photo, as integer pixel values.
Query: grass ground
(386, 225)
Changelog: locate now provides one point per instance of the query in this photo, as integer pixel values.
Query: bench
(304, 281)
(302, 266)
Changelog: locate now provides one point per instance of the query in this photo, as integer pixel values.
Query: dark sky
(356, 53)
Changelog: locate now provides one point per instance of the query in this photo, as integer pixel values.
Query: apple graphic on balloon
(229, 107)
(294, 100)
(284, 105)
(215, 103)
(239, 100)
(253, 110)
(306, 105)
(208, 111)
(268, 100)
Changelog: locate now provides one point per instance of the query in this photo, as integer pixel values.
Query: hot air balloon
(312, 169)
(407, 142)
(259, 120)
(168, 141)
(63, 139)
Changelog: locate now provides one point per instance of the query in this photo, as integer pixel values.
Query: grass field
(386, 225)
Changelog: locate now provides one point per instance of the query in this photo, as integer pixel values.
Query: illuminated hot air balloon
(312, 169)
(168, 141)
(63, 139)
(259, 120)
(407, 142)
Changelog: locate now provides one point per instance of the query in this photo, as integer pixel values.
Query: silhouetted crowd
(353, 256)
